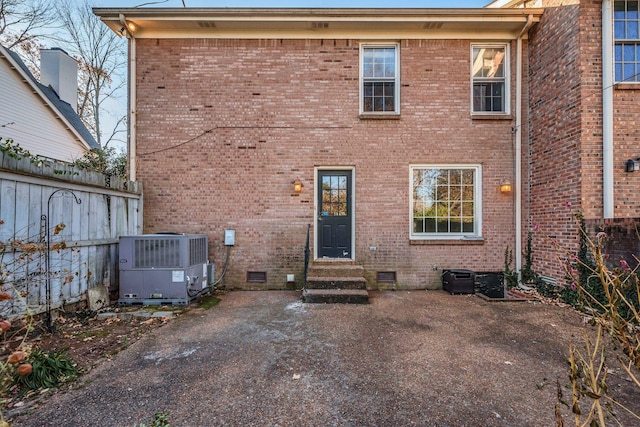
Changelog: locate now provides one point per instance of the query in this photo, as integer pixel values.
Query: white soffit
(320, 23)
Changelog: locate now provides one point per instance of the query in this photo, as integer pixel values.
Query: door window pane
(334, 195)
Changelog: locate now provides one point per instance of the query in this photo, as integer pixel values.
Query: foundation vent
(432, 25)
(549, 280)
(318, 25)
(256, 276)
(386, 276)
(206, 24)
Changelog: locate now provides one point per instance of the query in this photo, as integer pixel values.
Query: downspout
(131, 100)
(132, 109)
(518, 148)
(607, 109)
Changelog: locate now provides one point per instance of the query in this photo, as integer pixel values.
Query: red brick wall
(626, 146)
(591, 95)
(239, 120)
(566, 139)
(555, 147)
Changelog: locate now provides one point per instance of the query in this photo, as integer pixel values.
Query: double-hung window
(379, 79)
(445, 201)
(627, 41)
(489, 79)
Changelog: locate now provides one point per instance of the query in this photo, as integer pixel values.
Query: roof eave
(356, 12)
(297, 23)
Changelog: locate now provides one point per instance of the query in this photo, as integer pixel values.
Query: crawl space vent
(386, 276)
(257, 276)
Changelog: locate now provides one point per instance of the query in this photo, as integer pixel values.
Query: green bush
(50, 369)
(510, 276)
(547, 290)
(527, 274)
(160, 419)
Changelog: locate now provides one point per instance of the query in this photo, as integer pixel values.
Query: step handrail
(307, 254)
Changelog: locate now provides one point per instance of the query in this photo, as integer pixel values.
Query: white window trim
(616, 41)
(507, 79)
(477, 214)
(397, 79)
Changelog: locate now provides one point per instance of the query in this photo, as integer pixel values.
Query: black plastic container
(458, 281)
(490, 284)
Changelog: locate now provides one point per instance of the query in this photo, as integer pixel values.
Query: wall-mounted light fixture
(632, 165)
(505, 186)
(297, 186)
(127, 28)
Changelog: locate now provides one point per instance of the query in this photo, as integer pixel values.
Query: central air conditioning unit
(160, 269)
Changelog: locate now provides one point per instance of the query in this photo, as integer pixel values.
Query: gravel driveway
(422, 358)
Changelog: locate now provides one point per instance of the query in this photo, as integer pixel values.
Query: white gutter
(518, 148)
(607, 109)
(504, 3)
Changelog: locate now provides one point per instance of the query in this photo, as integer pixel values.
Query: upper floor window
(489, 74)
(379, 79)
(627, 41)
(445, 201)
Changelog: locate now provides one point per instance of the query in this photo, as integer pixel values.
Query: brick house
(388, 132)
(583, 106)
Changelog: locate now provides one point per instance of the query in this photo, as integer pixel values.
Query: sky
(295, 3)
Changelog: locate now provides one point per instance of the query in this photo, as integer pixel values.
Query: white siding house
(34, 115)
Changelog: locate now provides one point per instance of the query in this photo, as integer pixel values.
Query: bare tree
(29, 52)
(102, 60)
(24, 21)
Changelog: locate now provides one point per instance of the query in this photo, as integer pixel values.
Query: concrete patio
(266, 359)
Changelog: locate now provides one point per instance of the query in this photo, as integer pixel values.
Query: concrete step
(335, 296)
(336, 282)
(335, 270)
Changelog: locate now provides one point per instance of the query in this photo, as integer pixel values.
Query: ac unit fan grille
(198, 250)
(151, 253)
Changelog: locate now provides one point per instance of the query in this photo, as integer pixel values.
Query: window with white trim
(379, 79)
(445, 201)
(626, 34)
(489, 79)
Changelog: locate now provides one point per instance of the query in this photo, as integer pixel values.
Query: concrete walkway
(265, 359)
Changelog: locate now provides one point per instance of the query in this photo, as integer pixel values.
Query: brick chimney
(60, 71)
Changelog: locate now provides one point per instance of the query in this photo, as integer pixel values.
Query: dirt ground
(88, 338)
(264, 358)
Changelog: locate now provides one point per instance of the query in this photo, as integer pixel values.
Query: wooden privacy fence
(59, 232)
